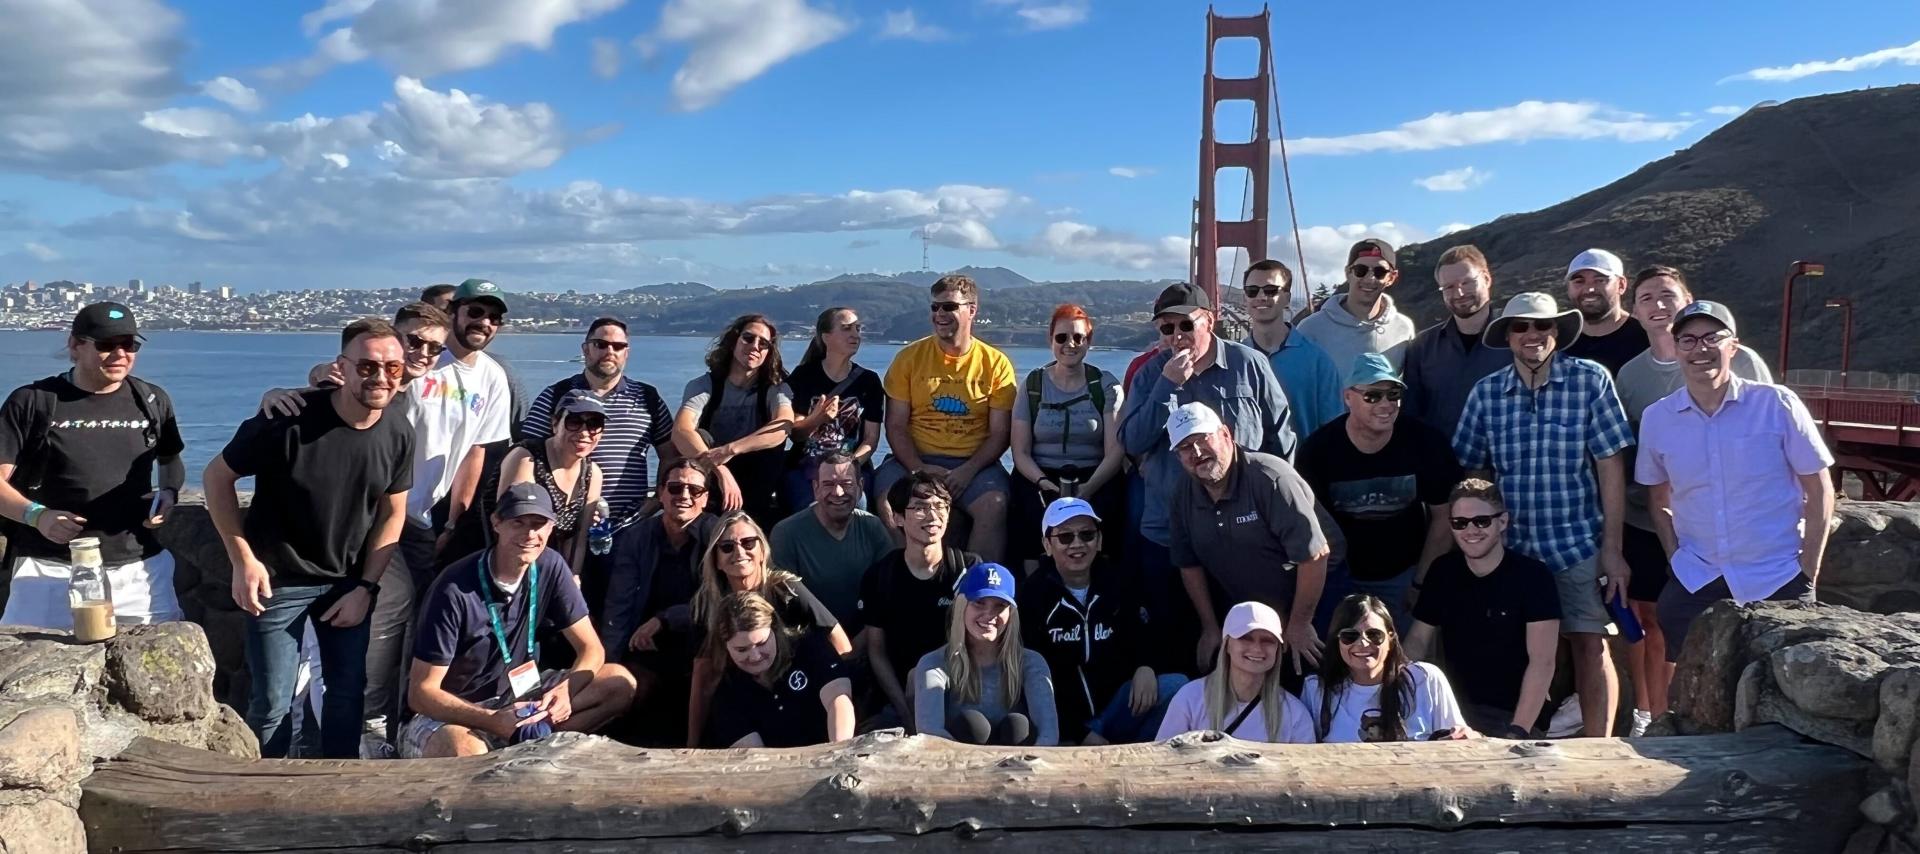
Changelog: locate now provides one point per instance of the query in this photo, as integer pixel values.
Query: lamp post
(1846, 333)
(1799, 268)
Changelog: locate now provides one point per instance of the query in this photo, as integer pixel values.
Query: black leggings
(971, 727)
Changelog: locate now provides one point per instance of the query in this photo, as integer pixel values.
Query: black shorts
(1647, 563)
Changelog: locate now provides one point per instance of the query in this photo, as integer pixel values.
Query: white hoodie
(1345, 337)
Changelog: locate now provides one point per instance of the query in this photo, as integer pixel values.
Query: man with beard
(330, 492)
(831, 543)
(1497, 614)
(77, 458)
(1551, 431)
(904, 597)
(1446, 359)
(1363, 320)
(462, 416)
(1305, 371)
(1596, 284)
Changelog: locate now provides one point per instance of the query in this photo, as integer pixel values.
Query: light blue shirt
(1311, 381)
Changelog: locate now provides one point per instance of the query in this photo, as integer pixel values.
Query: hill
(672, 290)
(1832, 179)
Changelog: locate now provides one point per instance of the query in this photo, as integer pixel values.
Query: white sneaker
(374, 746)
(1641, 720)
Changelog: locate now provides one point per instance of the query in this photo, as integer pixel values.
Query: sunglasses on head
(604, 344)
(1377, 395)
(949, 307)
(1182, 326)
(1460, 523)
(1349, 637)
(1064, 339)
(691, 490)
(1362, 271)
(1273, 291)
(1066, 538)
(585, 423)
(367, 369)
(1536, 324)
(108, 345)
(480, 312)
(754, 341)
(431, 348)
(728, 547)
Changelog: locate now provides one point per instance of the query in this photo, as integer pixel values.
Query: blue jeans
(1119, 725)
(1341, 584)
(273, 664)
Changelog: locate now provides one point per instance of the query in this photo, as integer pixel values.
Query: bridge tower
(1210, 234)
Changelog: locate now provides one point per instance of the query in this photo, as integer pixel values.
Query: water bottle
(89, 592)
(600, 534)
(1623, 616)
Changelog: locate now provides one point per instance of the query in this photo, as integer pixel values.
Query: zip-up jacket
(1092, 649)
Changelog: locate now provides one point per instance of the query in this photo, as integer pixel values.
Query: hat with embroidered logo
(1598, 260)
(104, 320)
(474, 290)
(1064, 510)
(986, 581)
(524, 499)
(1708, 309)
(1189, 420)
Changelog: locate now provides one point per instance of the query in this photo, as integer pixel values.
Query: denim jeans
(1341, 584)
(273, 664)
(1119, 725)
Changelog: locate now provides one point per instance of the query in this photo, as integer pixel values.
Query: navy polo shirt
(455, 630)
(787, 715)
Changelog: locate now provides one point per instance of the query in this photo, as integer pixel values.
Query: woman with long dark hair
(844, 403)
(1066, 438)
(736, 417)
(782, 688)
(1370, 691)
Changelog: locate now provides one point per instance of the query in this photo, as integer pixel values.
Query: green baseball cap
(474, 290)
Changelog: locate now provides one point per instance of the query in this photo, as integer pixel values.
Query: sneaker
(1641, 720)
(374, 746)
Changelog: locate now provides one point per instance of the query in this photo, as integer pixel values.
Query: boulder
(36, 663)
(1830, 678)
(163, 673)
(40, 749)
(1709, 668)
(41, 827)
(227, 732)
(1893, 733)
(1872, 561)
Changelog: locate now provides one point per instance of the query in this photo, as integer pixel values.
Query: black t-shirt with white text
(911, 611)
(1483, 622)
(1380, 500)
(788, 714)
(863, 400)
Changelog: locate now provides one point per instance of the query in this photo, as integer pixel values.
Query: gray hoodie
(1345, 337)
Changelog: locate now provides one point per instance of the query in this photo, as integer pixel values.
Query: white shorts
(142, 592)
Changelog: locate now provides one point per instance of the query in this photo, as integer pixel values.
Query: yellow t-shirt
(951, 397)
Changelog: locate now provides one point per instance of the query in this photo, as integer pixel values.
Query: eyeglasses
(1272, 291)
(481, 312)
(1064, 339)
(1711, 339)
(754, 341)
(1375, 396)
(604, 344)
(131, 345)
(1471, 283)
(585, 423)
(691, 490)
(927, 508)
(1182, 326)
(1460, 523)
(431, 348)
(728, 547)
(1349, 637)
(1362, 271)
(367, 369)
(1537, 324)
(1067, 538)
(949, 307)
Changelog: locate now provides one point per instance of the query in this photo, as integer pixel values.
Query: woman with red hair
(1066, 442)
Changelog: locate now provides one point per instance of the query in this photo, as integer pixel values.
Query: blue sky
(600, 144)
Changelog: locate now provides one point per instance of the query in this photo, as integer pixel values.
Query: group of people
(1465, 514)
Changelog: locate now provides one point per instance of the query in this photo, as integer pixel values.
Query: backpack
(1095, 392)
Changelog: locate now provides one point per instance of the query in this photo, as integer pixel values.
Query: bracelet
(32, 516)
(369, 586)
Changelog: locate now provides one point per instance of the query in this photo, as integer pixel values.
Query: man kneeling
(476, 684)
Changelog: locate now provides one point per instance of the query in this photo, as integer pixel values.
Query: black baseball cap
(104, 320)
(1182, 298)
(524, 499)
(1373, 247)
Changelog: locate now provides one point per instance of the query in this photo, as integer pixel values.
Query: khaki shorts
(1582, 611)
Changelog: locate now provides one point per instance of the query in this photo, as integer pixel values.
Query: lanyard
(493, 611)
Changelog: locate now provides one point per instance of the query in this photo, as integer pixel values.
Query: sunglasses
(1064, 339)
(585, 423)
(481, 312)
(1271, 291)
(754, 341)
(1067, 538)
(691, 490)
(949, 307)
(1377, 395)
(1460, 523)
(728, 547)
(604, 344)
(1349, 637)
(1711, 339)
(367, 369)
(131, 345)
(1537, 324)
(1362, 271)
(431, 348)
(1182, 326)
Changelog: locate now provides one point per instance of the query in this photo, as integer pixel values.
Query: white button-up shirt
(1737, 501)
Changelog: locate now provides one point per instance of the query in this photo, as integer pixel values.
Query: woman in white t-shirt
(1242, 697)
(1378, 695)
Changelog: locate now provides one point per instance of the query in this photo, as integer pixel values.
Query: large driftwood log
(1763, 789)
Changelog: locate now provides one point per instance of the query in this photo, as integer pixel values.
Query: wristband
(369, 586)
(32, 516)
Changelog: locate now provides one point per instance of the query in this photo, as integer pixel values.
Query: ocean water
(216, 378)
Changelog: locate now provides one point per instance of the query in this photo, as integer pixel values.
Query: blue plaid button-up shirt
(1539, 443)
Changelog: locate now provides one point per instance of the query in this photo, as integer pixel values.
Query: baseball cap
(524, 499)
(1181, 298)
(986, 581)
(1373, 247)
(1370, 368)
(104, 320)
(480, 289)
(1247, 616)
(582, 402)
(1599, 261)
(1064, 509)
(1706, 308)
(1189, 419)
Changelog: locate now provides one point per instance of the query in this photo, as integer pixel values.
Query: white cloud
(338, 160)
(1048, 14)
(606, 58)
(423, 38)
(903, 24)
(1075, 242)
(453, 134)
(730, 42)
(1452, 227)
(1906, 55)
(1454, 180)
(87, 54)
(41, 251)
(1327, 245)
(1725, 111)
(1130, 171)
(233, 93)
(1522, 122)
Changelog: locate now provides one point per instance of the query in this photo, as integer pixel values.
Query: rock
(40, 749)
(1884, 807)
(1772, 706)
(1746, 698)
(163, 673)
(42, 827)
(1866, 840)
(1893, 733)
(1872, 555)
(1709, 668)
(1830, 678)
(227, 732)
(41, 663)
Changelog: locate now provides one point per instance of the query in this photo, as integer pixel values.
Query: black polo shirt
(1249, 541)
(790, 714)
(456, 631)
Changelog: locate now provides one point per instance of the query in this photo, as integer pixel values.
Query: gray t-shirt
(1250, 540)
(934, 702)
(1643, 381)
(739, 412)
(1074, 435)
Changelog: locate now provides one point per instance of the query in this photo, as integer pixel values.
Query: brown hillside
(1833, 179)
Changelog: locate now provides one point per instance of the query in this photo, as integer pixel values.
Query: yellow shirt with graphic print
(951, 397)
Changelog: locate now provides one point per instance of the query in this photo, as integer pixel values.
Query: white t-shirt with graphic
(1357, 707)
(455, 406)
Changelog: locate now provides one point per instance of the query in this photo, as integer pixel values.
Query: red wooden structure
(1210, 234)
(1874, 432)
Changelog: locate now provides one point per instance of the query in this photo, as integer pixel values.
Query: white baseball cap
(1188, 420)
(1064, 509)
(1248, 616)
(1597, 260)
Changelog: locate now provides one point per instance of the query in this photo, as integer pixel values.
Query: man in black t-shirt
(1497, 613)
(1596, 284)
(904, 598)
(77, 457)
(330, 491)
(1384, 478)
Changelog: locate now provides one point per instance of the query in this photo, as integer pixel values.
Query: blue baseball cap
(986, 580)
(1370, 368)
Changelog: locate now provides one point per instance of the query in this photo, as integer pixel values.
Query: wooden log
(594, 794)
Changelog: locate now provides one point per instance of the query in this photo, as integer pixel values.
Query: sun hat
(1535, 306)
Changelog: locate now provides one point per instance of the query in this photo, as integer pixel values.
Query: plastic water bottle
(600, 534)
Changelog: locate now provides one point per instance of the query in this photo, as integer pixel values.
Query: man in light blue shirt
(1305, 371)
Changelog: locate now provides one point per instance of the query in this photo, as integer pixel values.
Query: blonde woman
(735, 561)
(1242, 697)
(984, 686)
(781, 688)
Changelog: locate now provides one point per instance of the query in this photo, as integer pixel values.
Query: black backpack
(1095, 392)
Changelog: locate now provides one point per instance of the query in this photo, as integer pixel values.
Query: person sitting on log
(476, 685)
(737, 560)
(984, 686)
(781, 688)
(1370, 692)
(1242, 696)
(904, 598)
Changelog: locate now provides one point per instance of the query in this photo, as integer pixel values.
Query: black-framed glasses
(108, 345)
(431, 348)
(1460, 523)
(1182, 326)
(1270, 291)
(728, 547)
(1065, 339)
(1349, 637)
(604, 344)
(1067, 538)
(1470, 283)
(948, 306)
(1363, 271)
(585, 423)
(690, 490)
(755, 341)
(1527, 324)
(367, 369)
(1711, 339)
(475, 311)
(927, 508)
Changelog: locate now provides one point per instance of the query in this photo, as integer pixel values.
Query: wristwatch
(369, 586)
